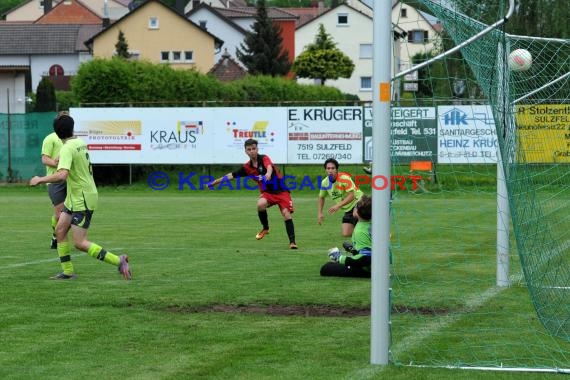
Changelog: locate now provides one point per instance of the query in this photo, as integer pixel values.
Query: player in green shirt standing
(343, 191)
(56, 191)
(74, 167)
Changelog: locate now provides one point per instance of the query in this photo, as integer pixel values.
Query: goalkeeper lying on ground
(359, 259)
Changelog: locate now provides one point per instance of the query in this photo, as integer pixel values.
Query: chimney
(47, 6)
(106, 20)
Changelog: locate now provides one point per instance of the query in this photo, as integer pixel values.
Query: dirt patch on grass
(304, 310)
(278, 310)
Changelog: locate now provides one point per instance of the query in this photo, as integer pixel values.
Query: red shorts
(282, 199)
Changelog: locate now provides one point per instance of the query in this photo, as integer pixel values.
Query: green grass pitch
(207, 300)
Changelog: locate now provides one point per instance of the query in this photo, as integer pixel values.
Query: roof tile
(32, 39)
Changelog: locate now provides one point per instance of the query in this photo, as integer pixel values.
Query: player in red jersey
(261, 169)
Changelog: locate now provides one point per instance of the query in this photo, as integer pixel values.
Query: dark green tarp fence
(21, 137)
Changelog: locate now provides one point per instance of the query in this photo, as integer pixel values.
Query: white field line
(432, 327)
(422, 334)
(51, 259)
(56, 259)
(18, 265)
(503, 369)
(79, 254)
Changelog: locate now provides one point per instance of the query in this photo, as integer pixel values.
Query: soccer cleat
(63, 276)
(53, 243)
(123, 268)
(293, 245)
(261, 234)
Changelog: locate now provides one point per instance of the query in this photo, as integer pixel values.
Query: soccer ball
(520, 60)
(334, 250)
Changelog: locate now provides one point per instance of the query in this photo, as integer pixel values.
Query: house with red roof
(70, 12)
(32, 10)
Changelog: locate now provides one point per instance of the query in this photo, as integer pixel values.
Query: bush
(104, 81)
(119, 81)
(45, 96)
(65, 100)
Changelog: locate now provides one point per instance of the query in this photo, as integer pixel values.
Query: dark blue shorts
(57, 192)
(349, 218)
(80, 218)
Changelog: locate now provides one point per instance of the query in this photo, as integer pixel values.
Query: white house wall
(84, 57)
(13, 86)
(413, 21)
(245, 23)
(360, 6)
(40, 66)
(12, 91)
(348, 39)
(359, 31)
(220, 28)
(15, 60)
(114, 10)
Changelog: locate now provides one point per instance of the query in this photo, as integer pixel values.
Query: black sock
(290, 230)
(263, 219)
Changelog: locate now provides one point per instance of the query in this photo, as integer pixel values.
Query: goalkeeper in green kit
(74, 167)
(358, 262)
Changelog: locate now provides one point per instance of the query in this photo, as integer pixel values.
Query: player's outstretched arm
(210, 185)
(59, 176)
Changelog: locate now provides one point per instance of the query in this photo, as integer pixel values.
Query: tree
(45, 96)
(537, 18)
(541, 18)
(323, 60)
(122, 47)
(263, 53)
(323, 40)
(7, 5)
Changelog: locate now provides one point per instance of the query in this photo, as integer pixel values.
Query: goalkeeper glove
(348, 247)
(334, 254)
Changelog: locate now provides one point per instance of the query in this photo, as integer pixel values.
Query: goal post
(468, 291)
(382, 95)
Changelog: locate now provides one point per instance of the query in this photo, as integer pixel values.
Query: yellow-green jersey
(81, 189)
(340, 189)
(51, 147)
